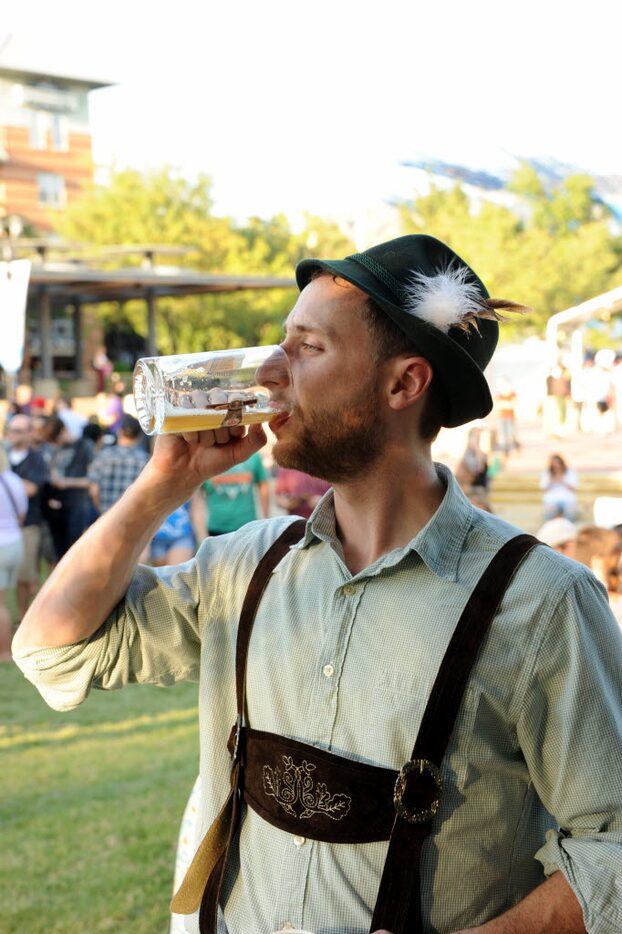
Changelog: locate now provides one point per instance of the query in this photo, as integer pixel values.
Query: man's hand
(551, 908)
(180, 463)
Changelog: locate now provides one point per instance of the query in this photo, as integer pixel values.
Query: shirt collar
(439, 543)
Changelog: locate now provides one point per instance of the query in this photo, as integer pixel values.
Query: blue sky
(292, 106)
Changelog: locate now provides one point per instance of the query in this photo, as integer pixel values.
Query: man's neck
(385, 509)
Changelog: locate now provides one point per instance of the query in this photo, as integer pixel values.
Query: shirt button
(328, 671)
(288, 926)
(349, 590)
(299, 841)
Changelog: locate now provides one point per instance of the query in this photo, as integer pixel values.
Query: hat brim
(459, 371)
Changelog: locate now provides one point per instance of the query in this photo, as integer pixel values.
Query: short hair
(130, 427)
(390, 341)
(92, 431)
(54, 428)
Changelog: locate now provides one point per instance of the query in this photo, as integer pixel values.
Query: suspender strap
(398, 904)
(259, 581)
(203, 880)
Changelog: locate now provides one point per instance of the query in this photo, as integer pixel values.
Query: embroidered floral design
(297, 793)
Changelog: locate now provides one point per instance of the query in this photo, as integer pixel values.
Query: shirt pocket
(398, 704)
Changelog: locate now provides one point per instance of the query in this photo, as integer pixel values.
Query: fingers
(223, 435)
(208, 439)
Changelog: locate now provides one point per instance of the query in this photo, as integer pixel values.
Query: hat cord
(392, 284)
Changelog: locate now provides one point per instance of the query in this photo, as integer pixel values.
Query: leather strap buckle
(408, 814)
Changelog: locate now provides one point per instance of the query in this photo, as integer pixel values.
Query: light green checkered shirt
(346, 662)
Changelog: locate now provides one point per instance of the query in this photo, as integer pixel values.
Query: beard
(334, 446)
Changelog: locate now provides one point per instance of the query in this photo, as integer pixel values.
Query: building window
(51, 189)
(59, 134)
(39, 126)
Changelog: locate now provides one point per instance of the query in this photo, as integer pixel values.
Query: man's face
(18, 432)
(331, 391)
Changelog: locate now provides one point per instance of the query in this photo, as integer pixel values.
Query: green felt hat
(437, 300)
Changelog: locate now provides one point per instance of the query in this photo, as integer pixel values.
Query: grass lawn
(90, 807)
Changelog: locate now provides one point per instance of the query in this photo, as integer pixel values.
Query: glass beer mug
(215, 389)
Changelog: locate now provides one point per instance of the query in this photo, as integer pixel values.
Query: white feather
(444, 299)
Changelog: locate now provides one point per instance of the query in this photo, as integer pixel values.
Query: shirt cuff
(62, 675)
(592, 866)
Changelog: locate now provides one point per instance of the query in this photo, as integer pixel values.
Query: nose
(274, 372)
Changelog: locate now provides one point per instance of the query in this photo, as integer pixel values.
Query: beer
(177, 424)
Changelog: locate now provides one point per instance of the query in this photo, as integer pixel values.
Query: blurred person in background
(601, 550)
(559, 534)
(599, 416)
(297, 493)
(505, 409)
(13, 506)
(114, 467)
(30, 466)
(472, 470)
(73, 421)
(559, 484)
(558, 396)
(102, 366)
(67, 506)
(228, 501)
(175, 541)
(110, 407)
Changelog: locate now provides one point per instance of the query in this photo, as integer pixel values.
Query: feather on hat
(449, 299)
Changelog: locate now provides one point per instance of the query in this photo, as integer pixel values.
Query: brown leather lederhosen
(308, 791)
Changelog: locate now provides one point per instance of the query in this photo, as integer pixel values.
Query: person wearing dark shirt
(30, 466)
(68, 504)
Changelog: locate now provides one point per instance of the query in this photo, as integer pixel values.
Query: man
(28, 464)
(351, 629)
(229, 499)
(114, 468)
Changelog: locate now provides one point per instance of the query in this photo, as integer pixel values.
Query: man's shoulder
(543, 565)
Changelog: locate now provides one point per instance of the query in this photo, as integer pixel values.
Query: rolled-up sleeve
(151, 637)
(570, 731)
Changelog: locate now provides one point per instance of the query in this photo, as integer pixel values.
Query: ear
(409, 379)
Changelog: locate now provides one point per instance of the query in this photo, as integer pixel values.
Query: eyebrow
(306, 329)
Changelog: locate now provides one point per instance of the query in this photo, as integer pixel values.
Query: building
(45, 140)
